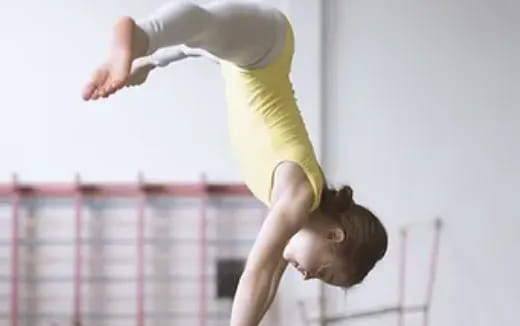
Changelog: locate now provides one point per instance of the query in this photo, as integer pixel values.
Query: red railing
(78, 259)
(15, 195)
(139, 190)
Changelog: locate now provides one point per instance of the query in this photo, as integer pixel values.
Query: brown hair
(365, 236)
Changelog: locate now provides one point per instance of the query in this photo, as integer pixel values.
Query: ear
(336, 234)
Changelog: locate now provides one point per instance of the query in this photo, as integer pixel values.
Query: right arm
(282, 264)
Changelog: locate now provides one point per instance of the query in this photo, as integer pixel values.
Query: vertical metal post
(402, 278)
(321, 8)
(78, 259)
(15, 251)
(433, 270)
(202, 252)
(140, 251)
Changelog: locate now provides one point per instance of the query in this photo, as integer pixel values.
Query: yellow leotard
(266, 127)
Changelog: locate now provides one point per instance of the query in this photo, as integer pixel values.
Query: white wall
(423, 120)
(49, 133)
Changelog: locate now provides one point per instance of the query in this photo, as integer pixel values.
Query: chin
(285, 254)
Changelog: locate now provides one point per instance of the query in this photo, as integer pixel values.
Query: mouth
(299, 268)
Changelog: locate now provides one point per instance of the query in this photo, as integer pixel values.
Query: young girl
(319, 231)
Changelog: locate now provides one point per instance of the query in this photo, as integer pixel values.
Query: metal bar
(402, 278)
(433, 270)
(78, 261)
(14, 252)
(192, 299)
(125, 189)
(67, 299)
(130, 316)
(140, 252)
(224, 202)
(108, 279)
(28, 262)
(46, 298)
(203, 253)
(131, 242)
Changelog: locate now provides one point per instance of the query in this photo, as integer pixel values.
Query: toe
(88, 91)
(117, 83)
(97, 80)
(96, 94)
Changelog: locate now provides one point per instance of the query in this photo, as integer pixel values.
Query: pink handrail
(14, 251)
(203, 252)
(433, 270)
(402, 279)
(78, 260)
(78, 190)
(140, 252)
(124, 189)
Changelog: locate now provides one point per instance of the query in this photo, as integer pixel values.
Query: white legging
(248, 33)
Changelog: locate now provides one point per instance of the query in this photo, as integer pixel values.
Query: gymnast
(318, 230)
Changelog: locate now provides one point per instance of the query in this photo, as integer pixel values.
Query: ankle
(140, 42)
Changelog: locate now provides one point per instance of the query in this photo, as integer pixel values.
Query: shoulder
(291, 187)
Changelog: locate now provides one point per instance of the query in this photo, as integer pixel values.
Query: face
(312, 252)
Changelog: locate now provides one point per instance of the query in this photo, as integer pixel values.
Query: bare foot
(113, 74)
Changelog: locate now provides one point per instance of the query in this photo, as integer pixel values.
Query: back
(266, 127)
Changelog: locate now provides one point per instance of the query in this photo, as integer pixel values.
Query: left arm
(265, 265)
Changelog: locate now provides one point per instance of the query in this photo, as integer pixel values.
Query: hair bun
(344, 198)
(336, 201)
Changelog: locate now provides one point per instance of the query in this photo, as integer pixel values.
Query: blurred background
(415, 104)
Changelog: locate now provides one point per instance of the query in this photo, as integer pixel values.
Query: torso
(266, 127)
